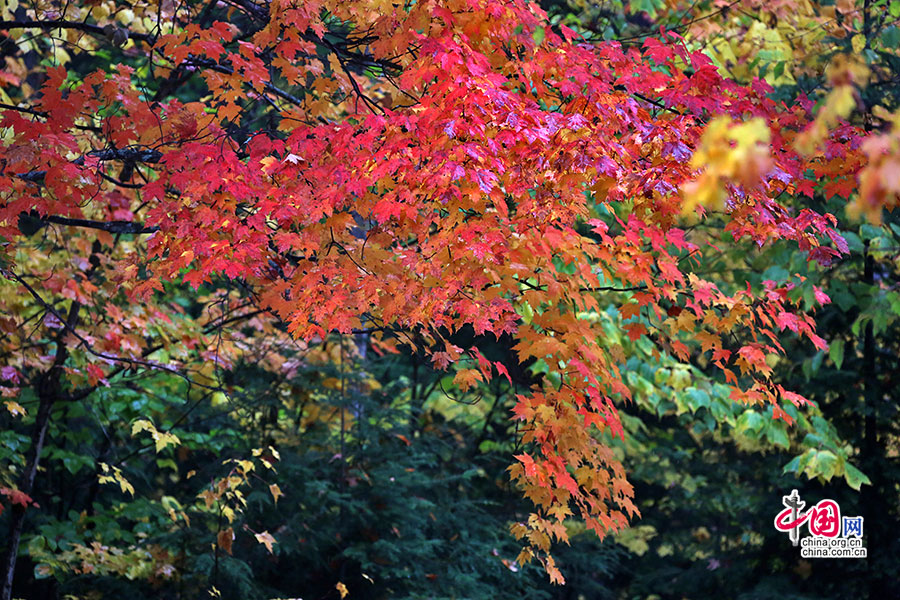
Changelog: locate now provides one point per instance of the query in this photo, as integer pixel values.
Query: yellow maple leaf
(728, 153)
(265, 538)
(467, 378)
(276, 492)
(162, 439)
(114, 475)
(141, 425)
(342, 589)
(14, 408)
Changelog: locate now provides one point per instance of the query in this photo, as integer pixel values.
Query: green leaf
(793, 466)
(778, 71)
(869, 232)
(836, 352)
(855, 478)
(750, 422)
(817, 361)
(697, 398)
(853, 241)
(825, 464)
(538, 35)
(778, 436)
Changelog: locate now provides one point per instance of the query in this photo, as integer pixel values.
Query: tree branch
(110, 226)
(43, 115)
(213, 66)
(128, 155)
(91, 29)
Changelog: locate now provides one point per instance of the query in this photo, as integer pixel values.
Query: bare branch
(110, 226)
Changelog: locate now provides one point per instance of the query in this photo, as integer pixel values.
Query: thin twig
(87, 345)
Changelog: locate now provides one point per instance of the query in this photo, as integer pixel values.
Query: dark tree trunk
(49, 388)
(26, 485)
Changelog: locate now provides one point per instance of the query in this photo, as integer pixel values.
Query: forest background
(174, 428)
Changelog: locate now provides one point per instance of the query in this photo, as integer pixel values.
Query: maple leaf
(161, 439)
(17, 497)
(501, 370)
(266, 539)
(467, 378)
(752, 357)
(276, 492)
(114, 475)
(795, 398)
(786, 320)
(225, 539)
(635, 331)
(14, 408)
(528, 462)
(567, 482)
(555, 574)
(10, 374)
